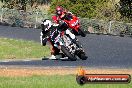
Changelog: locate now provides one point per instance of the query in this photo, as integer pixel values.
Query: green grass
(67, 81)
(21, 49)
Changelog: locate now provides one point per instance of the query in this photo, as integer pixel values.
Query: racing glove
(44, 40)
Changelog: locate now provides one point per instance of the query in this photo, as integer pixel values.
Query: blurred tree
(22, 4)
(101, 9)
(32, 2)
(126, 9)
(108, 10)
(82, 8)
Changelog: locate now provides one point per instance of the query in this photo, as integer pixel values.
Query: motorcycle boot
(55, 57)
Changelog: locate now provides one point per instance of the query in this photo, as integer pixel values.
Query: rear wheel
(68, 54)
(82, 56)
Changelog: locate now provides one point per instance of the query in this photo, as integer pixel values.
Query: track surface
(102, 50)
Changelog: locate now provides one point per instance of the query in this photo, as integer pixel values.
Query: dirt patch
(13, 72)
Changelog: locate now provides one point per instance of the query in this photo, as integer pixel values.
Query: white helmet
(46, 24)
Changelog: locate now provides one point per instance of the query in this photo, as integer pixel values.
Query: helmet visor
(59, 12)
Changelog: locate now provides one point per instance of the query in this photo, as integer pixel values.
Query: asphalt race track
(102, 50)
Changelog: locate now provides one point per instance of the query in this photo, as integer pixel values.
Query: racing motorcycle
(73, 22)
(69, 48)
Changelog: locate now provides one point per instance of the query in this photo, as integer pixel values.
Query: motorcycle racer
(47, 29)
(44, 37)
(68, 17)
(60, 14)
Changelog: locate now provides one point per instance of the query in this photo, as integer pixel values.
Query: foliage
(126, 9)
(82, 8)
(108, 10)
(86, 8)
(22, 4)
(98, 9)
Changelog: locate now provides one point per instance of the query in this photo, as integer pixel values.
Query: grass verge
(21, 49)
(53, 81)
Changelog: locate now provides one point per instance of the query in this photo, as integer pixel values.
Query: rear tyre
(82, 56)
(67, 53)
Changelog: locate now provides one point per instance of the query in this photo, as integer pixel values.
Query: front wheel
(81, 32)
(68, 54)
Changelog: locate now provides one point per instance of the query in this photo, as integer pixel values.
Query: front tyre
(81, 32)
(68, 54)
